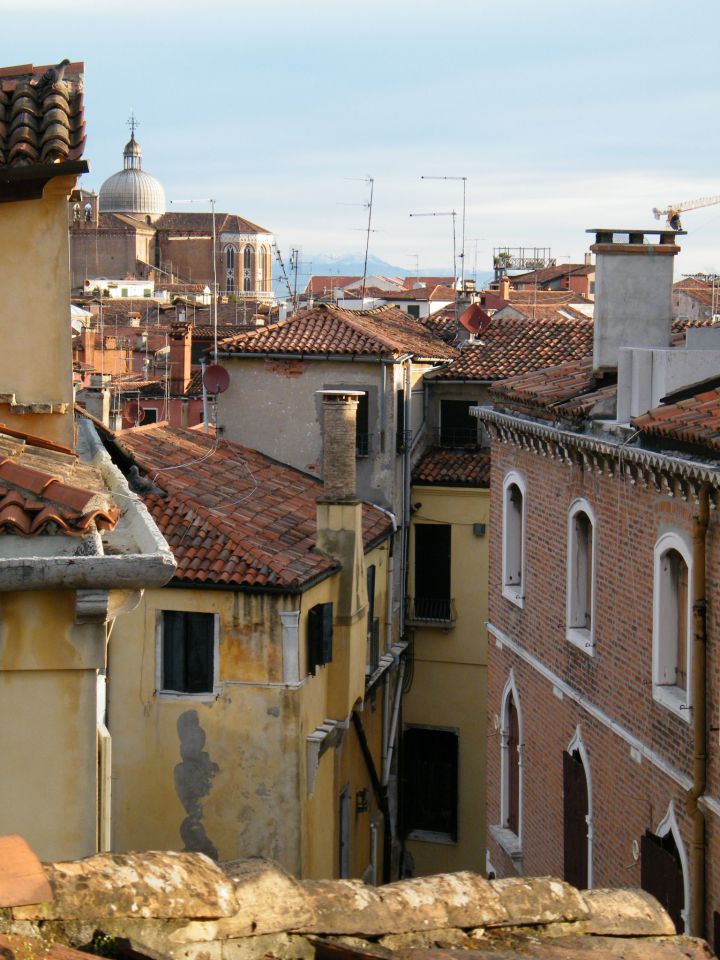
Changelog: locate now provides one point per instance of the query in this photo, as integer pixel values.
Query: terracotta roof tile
(231, 514)
(694, 419)
(510, 346)
(325, 329)
(202, 222)
(457, 468)
(41, 122)
(44, 490)
(549, 274)
(568, 389)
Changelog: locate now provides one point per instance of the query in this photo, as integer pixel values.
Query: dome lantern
(131, 190)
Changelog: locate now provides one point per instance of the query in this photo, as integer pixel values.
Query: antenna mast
(367, 239)
(278, 257)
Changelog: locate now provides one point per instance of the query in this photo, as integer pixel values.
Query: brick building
(604, 764)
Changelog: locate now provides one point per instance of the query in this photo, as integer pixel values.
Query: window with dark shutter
(430, 781)
(320, 636)
(400, 421)
(188, 652)
(457, 427)
(362, 427)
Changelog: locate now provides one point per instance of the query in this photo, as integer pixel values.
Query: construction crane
(675, 209)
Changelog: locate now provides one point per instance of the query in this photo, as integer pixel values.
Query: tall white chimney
(633, 291)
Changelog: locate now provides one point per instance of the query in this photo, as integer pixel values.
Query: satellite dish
(216, 379)
(134, 412)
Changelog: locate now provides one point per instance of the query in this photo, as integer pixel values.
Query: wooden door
(575, 821)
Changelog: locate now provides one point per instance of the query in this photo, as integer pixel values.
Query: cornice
(669, 475)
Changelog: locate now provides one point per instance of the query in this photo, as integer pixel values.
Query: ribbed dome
(131, 190)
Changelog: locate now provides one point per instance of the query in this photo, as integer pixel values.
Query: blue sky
(563, 115)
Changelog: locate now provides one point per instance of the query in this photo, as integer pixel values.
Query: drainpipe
(699, 701)
(204, 396)
(407, 469)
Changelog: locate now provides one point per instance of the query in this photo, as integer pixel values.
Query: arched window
(511, 761)
(672, 624)
(513, 569)
(248, 269)
(664, 870)
(230, 269)
(581, 556)
(577, 815)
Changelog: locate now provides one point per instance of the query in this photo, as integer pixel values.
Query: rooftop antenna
(453, 214)
(133, 123)
(278, 257)
(476, 240)
(369, 204)
(462, 245)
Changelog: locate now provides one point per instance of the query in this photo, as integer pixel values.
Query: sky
(562, 115)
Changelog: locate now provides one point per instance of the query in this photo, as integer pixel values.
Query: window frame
(164, 694)
(514, 592)
(674, 698)
(509, 841)
(581, 637)
(322, 645)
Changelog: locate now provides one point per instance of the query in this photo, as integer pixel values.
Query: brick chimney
(633, 291)
(339, 415)
(339, 534)
(180, 355)
(504, 290)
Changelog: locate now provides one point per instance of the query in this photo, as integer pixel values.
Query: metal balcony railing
(458, 436)
(430, 612)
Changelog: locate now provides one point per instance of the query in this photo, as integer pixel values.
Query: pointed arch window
(248, 264)
(664, 870)
(577, 815)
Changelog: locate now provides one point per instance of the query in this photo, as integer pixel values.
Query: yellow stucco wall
(34, 252)
(48, 738)
(450, 672)
(243, 749)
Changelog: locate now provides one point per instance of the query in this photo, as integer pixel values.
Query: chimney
(88, 342)
(633, 291)
(339, 414)
(505, 287)
(588, 259)
(180, 355)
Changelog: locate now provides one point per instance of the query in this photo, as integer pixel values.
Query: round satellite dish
(134, 412)
(216, 379)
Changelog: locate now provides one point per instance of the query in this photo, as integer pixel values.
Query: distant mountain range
(351, 264)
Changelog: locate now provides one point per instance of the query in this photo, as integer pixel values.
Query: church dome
(132, 190)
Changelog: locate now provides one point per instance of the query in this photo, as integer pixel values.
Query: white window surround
(209, 695)
(577, 745)
(513, 540)
(676, 699)
(581, 637)
(509, 841)
(668, 825)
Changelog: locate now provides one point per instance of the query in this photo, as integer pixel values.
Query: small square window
(187, 652)
(320, 636)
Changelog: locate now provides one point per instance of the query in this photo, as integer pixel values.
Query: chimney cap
(341, 394)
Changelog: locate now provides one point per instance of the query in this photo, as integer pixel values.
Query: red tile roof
(232, 515)
(442, 323)
(421, 294)
(545, 297)
(202, 222)
(564, 385)
(510, 346)
(44, 489)
(453, 468)
(410, 282)
(548, 274)
(41, 121)
(327, 330)
(321, 286)
(694, 419)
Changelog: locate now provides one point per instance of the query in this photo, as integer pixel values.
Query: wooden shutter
(575, 827)
(661, 874)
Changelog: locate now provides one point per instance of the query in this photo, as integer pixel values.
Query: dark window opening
(320, 636)
(373, 624)
(150, 415)
(188, 644)
(457, 427)
(575, 825)
(413, 310)
(430, 761)
(512, 817)
(432, 571)
(661, 874)
(400, 421)
(362, 427)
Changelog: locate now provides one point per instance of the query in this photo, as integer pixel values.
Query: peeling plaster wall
(48, 734)
(227, 774)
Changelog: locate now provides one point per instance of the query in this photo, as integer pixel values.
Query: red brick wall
(628, 797)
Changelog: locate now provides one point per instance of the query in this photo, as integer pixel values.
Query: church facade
(125, 230)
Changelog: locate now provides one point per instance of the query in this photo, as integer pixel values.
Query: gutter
(151, 565)
(699, 701)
